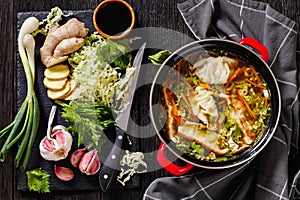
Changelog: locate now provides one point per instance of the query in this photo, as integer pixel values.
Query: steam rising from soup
(217, 105)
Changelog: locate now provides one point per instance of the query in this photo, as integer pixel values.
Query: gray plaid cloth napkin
(274, 173)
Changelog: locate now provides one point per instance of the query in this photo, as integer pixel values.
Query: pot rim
(259, 145)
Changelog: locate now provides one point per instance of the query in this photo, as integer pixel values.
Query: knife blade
(109, 168)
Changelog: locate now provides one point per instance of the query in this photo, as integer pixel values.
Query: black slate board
(80, 181)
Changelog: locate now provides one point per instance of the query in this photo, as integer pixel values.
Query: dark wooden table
(158, 13)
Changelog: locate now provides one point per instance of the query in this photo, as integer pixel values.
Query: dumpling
(203, 105)
(214, 70)
(246, 125)
(208, 139)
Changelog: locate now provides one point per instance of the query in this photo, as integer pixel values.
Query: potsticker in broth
(217, 107)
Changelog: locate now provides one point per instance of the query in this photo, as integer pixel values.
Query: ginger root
(67, 46)
(52, 52)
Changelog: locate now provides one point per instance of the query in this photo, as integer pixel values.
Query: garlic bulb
(57, 143)
(57, 146)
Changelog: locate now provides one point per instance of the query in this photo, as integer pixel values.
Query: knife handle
(110, 167)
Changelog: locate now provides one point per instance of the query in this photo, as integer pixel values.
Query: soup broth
(217, 105)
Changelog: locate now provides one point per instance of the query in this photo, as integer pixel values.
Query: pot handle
(257, 46)
(168, 165)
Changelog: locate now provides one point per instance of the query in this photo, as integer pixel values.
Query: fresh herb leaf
(160, 57)
(88, 121)
(38, 180)
(123, 61)
(112, 52)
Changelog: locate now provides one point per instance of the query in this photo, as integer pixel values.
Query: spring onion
(24, 126)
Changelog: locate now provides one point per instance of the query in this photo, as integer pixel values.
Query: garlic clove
(94, 165)
(48, 144)
(76, 157)
(59, 136)
(63, 173)
(68, 141)
(58, 128)
(89, 163)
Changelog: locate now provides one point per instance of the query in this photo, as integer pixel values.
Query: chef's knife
(109, 168)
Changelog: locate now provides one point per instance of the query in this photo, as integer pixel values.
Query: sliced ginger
(57, 72)
(72, 29)
(70, 93)
(58, 94)
(53, 84)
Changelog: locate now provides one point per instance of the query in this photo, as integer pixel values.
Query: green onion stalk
(25, 125)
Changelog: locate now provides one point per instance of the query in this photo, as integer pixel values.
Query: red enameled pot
(245, 53)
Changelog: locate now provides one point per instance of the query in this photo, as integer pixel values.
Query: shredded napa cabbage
(97, 80)
(131, 163)
(53, 18)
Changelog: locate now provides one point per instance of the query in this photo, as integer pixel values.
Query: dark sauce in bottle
(114, 18)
